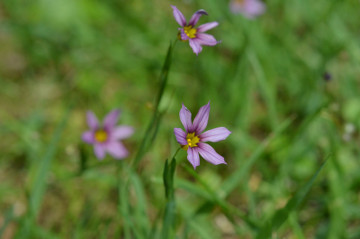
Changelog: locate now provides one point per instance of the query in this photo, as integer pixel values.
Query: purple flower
(193, 140)
(106, 137)
(196, 36)
(249, 8)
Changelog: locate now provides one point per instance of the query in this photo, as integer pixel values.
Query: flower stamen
(190, 31)
(192, 141)
(101, 136)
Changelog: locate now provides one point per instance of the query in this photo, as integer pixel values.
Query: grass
(264, 81)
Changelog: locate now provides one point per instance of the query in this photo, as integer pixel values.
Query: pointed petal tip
(207, 26)
(117, 150)
(122, 132)
(92, 120)
(99, 151)
(193, 157)
(209, 154)
(179, 17)
(215, 135)
(185, 118)
(196, 16)
(201, 118)
(195, 45)
(202, 11)
(111, 119)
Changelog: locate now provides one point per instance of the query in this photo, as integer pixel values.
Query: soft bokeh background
(264, 81)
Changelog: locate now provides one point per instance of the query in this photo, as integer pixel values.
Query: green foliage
(169, 215)
(281, 215)
(265, 84)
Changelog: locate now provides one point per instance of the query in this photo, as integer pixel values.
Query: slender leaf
(151, 131)
(281, 215)
(39, 184)
(169, 216)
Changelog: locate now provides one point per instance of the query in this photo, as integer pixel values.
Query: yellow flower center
(192, 141)
(190, 31)
(101, 135)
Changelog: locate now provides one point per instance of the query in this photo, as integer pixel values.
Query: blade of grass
(123, 207)
(149, 135)
(282, 215)
(39, 184)
(266, 88)
(295, 225)
(169, 215)
(231, 182)
(227, 208)
(141, 218)
(338, 191)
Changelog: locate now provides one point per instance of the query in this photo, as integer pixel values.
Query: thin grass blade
(39, 184)
(169, 216)
(282, 215)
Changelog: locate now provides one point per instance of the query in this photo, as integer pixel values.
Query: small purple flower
(196, 36)
(106, 137)
(193, 140)
(249, 8)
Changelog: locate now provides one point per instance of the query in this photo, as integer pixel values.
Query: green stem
(151, 130)
(169, 215)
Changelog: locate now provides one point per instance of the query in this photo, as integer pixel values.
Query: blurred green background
(265, 83)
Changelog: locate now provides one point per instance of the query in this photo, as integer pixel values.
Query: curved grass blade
(150, 133)
(282, 215)
(39, 183)
(169, 216)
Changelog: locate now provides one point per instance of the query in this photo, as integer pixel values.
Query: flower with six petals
(195, 36)
(106, 137)
(248, 8)
(193, 139)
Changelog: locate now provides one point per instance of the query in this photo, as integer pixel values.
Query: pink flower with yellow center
(193, 139)
(248, 8)
(195, 36)
(106, 137)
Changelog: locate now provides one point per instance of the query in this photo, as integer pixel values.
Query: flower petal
(195, 45)
(249, 8)
(207, 26)
(215, 135)
(179, 17)
(206, 39)
(196, 16)
(254, 8)
(193, 156)
(117, 150)
(185, 118)
(180, 136)
(111, 119)
(209, 154)
(201, 119)
(121, 132)
(88, 137)
(99, 151)
(92, 121)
